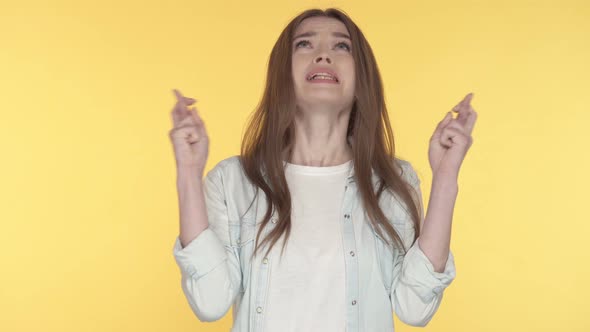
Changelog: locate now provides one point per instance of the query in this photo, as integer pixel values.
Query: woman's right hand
(188, 135)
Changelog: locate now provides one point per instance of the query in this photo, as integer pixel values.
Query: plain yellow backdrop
(89, 205)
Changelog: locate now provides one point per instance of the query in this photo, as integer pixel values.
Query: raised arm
(210, 269)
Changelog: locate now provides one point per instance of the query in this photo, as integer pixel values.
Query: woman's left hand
(452, 138)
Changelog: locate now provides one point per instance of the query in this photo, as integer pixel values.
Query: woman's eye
(345, 45)
(340, 44)
(299, 43)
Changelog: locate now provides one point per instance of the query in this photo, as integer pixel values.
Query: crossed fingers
(181, 111)
(465, 121)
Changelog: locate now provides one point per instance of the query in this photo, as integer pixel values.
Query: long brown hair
(269, 136)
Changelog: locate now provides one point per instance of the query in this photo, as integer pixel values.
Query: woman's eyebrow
(313, 33)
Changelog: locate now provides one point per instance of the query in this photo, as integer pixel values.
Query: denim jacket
(217, 271)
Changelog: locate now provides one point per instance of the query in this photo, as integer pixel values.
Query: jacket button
(352, 253)
(259, 309)
(353, 302)
(265, 260)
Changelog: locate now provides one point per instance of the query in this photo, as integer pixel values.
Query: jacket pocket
(242, 232)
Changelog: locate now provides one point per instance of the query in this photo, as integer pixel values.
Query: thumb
(441, 125)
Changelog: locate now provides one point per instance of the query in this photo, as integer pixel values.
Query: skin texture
(323, 108)
(191, 147)
(447, 149)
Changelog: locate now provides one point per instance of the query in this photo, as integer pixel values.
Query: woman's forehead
(319, 24)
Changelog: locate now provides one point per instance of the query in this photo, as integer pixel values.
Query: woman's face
(322, 45)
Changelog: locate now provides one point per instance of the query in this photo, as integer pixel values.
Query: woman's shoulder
(227, 164)
(233, 160)
(407, 171)
(231, 167)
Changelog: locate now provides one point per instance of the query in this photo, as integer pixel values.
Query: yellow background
(89, 206)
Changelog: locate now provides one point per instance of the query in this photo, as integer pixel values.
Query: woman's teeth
(323, 77)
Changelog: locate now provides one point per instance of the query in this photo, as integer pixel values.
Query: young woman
(316, 225)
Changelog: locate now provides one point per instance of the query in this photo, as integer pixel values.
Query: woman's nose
(320, 58)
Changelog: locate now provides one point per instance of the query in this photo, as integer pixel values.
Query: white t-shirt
(307, 288)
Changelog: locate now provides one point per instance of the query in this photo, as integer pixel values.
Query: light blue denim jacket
(217, 270)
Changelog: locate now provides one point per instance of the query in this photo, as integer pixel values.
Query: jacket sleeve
(209, 266)
(417, 289)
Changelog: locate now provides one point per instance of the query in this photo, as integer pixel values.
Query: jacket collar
(350, 178)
